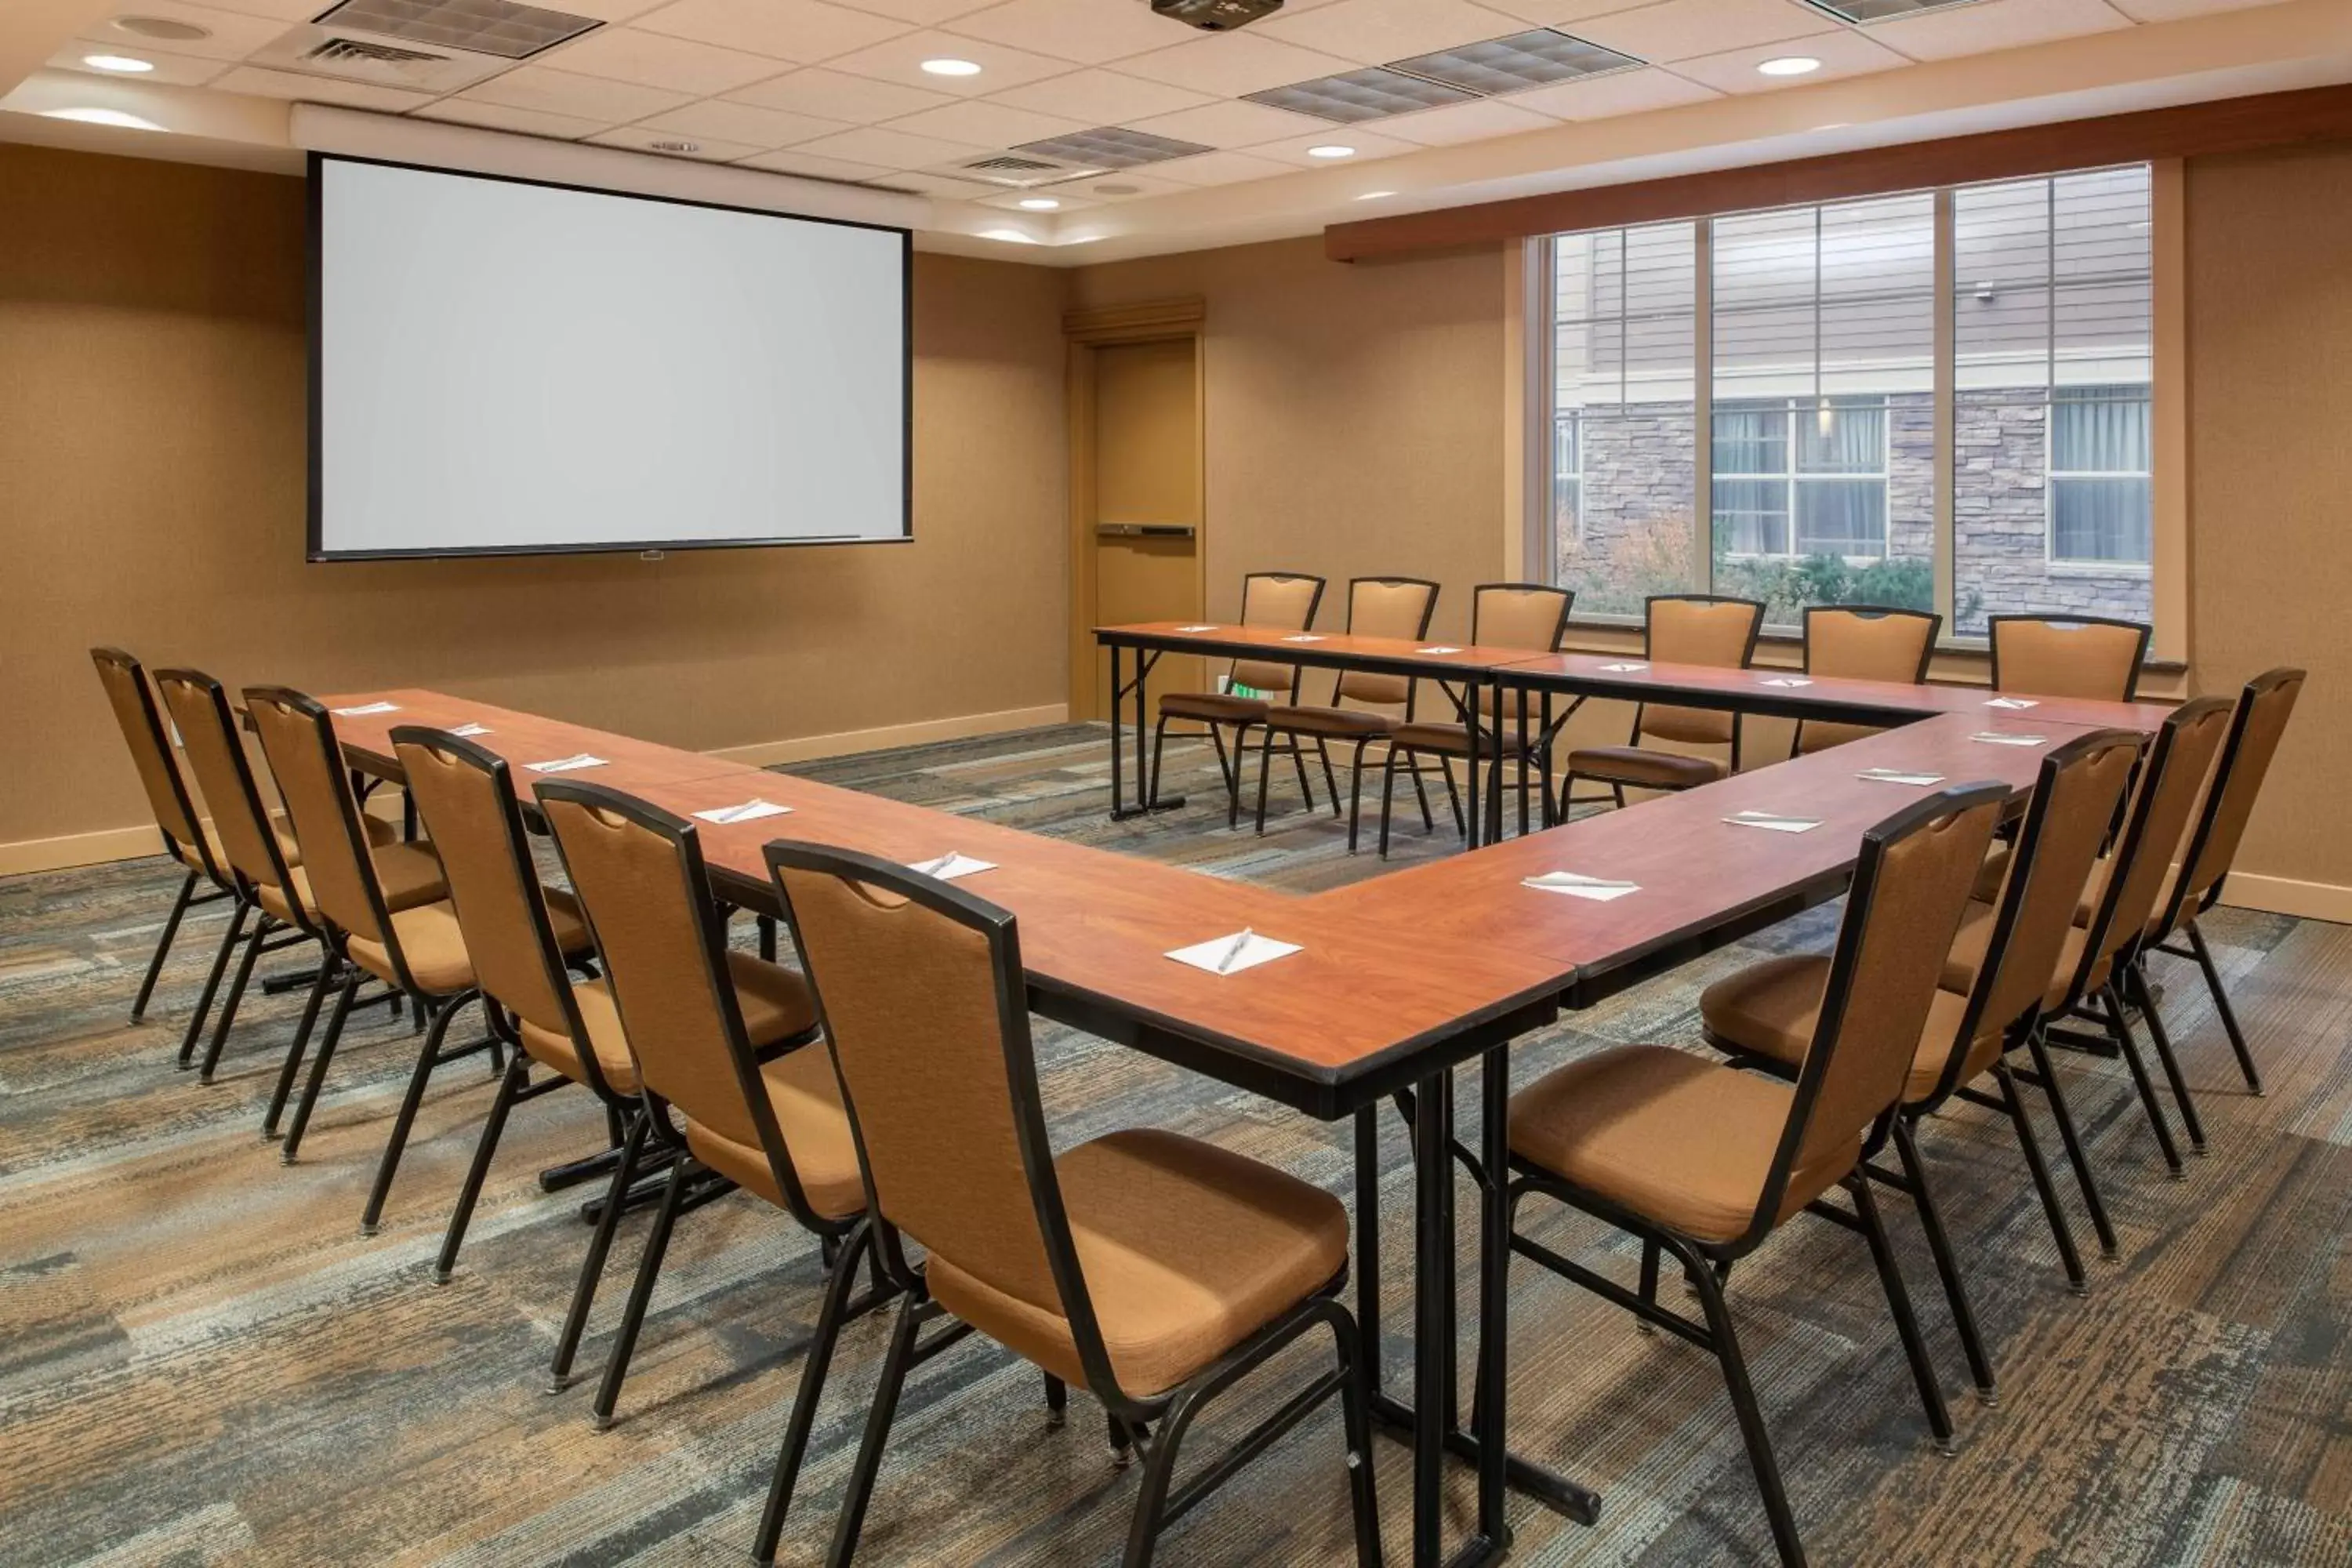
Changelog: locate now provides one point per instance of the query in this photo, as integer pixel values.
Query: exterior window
(1796, 480)
(2102, 493)
(1567, 476)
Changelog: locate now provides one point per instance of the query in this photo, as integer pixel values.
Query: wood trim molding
(2226, 125)
(1136, 323)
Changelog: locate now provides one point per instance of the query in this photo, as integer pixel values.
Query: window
(1827, 349)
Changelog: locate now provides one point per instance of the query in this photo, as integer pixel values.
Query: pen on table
(1234, 952)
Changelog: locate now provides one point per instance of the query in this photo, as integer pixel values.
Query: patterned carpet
(201, 1361)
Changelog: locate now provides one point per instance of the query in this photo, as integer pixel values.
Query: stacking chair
(272, 885)
(414, 947)
(1153, 1270)
(1703, 1161)
(1529, 615)
(731, 1088)
(185, 838)
(2260, 719)
(1276, 601)
(1863, 642)
(1765, 1016)
(1678, 628)
(1376, 608)
(2088, 657)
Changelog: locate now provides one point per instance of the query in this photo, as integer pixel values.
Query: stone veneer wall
(2000, 520)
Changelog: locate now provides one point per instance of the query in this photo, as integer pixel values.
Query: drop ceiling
(1150, 135)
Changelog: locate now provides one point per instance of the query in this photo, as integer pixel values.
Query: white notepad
(951, 865)
(365, 708)
(1788, 680)
(1600, 890)
(1304, 637)
(467, 732)
(1623, 668)
(750, 811)
(1196, 628)
(1990, 738)
(1234, 952)
(1438, 650)
(1896, 776)
(1773, 821)
(2018, 703)
(572, 764)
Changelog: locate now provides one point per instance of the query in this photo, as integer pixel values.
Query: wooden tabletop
(1431, 657)
(521, 738)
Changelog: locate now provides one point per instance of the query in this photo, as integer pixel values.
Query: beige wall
(152, 495)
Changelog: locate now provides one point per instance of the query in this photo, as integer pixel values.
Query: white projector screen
(499, 366)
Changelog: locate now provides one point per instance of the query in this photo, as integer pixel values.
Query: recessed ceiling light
(1374, 195)
(122, 63)
(1009, 236)
(1333, 151)
(113, 117)
(171, 30)
(951, 68)
(1789, 65)
(1039, 204)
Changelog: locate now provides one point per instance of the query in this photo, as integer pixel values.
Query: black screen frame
(314, 204)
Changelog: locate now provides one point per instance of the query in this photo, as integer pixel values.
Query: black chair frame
(1229, 768)
(2139, 655)
(1569, 800)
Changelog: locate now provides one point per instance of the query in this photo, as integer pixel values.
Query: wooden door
(1143, 522)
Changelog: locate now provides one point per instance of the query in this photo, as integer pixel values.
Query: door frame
(1086, 331)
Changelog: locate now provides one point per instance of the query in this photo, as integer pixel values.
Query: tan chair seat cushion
(1644, 768)
(1684, 1141)
(1770, 1009)
(1451, 740)
(435, 946)
(1187, 1250)
(409, 874)
(1976, 934)
(1214, 707)
(380, 833)
(1342, 723)
(807, 1098)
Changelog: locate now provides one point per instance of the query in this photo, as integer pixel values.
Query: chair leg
(1355, 795)
(1330, 778)
(327, 1043)
(2112, 1007)
(2222, 1005)
(1948, 1265)
(1224, 769)
(814, 1367)
(1453, 796)
(1388, 794)
(163, 947)
(244, 977)
(2076, 1155)
(1234, 793)
(212, 981)
(2060, 1230)
(1298, 766)
(1159, 741)
(1649, 1285)
(1899, 1302)
(879, 1417)
(329, 966)
(2146, 996)
(592, 1267)
(427, 1057)
(510, 1083)
(1744, 1406)
(1355, 1415)
(1266, 767)
(1057, 1401)
(1159, 1471)
(1421, 794)
(632, 1317)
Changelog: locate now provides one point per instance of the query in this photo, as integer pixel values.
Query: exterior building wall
(2000, 562)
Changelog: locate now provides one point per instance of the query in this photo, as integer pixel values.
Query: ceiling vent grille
(355, 51)
(482, 27)
(1110, 147)
(1015, 170)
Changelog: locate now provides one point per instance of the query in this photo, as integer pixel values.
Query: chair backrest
(1863, 642)
(465, 797)
(2075, 797)
(151, 753)
(2067, 656)
(1385, 607)
(639, 875)
(2263, 711)
(1531, 615)
(1911, 885)
(1280, 600)
(2153, 828)
(921, 990)
(297, 737)
(1697, 628)
(199, 710)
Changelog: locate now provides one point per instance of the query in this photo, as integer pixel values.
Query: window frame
(2074, 566)
(1791, 476)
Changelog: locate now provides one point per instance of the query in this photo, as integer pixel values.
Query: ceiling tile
(987, 123)
(232, 36)
(835, 95)
(505, 116)
(1473, 121)
(1841, 51)
(891, 149)
(1001, 66)
(654, 60)
(1219, 169)
(641, 139)
(1119, 185)
(562, 92)
(1372, 32)
(603, 10)
(1100, 97)
(758, 129)
(1605, 97)
(278, 10)
(1562, 13)
(793, 160)
(318, 89)
(1230, 124)
(1995, 25)
(176, 70)
(2173, 10)
(924, 182)
(1368, 147)
(1231, 64)
(918, 13)
(1678, 29)
(1068, 198)
(802, 30)
(1087, 31)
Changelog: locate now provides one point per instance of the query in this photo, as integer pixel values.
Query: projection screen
(499, 366)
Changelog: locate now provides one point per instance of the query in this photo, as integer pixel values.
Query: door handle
(1143, 531)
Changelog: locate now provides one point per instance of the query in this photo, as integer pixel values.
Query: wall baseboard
(2286, 895)
(133, 843)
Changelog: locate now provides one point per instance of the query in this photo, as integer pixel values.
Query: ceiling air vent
(1017, 170)
(358, 52)
(343, 55)
(481, 26)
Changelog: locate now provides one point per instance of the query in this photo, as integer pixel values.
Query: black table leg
(1144, 799)
(1117, 772)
